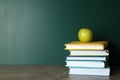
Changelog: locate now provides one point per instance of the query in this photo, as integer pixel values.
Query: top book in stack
(77, 45)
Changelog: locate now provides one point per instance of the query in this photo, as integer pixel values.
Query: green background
(35, 31)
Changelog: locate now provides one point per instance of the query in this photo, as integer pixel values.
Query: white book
(89, 53)
(86, 58)
(90, 71)
(90, 64)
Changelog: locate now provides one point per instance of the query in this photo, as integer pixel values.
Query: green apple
(85, 35)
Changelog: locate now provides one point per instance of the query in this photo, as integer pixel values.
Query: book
(89, 53)
(87, 58)
(90, 64)
(90, 71)
(77, 45)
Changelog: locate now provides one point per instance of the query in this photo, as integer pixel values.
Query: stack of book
(88, 58)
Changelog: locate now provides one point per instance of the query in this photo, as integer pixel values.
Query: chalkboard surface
(35, 31)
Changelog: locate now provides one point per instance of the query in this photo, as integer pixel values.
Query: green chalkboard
(35, 31)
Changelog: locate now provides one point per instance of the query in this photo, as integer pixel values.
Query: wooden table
(47, 72)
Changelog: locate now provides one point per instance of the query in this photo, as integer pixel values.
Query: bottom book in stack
(90, 71)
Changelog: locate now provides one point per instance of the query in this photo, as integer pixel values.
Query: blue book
(87, 58)
(87, 64)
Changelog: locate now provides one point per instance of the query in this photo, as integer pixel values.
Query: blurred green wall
(35, 31)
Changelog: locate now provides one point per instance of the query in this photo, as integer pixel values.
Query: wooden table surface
(47, 72)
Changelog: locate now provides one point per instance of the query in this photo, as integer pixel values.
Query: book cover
(90, 71)
(77, 45)
(89, 53)
(87, 64)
